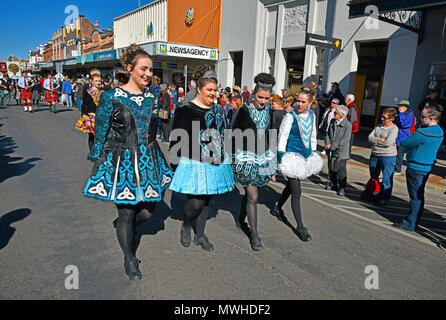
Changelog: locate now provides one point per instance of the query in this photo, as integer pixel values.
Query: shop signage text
(322, 41)
(176, 50)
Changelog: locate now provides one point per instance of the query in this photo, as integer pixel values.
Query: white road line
(391, 214)
(382, 224)
(373, 206)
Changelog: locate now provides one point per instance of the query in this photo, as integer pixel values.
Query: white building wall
(344, 65)
(132, 27)
(399, 71)
(284, 25)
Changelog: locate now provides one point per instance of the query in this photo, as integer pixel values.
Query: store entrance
(295, 69)
(369, 81)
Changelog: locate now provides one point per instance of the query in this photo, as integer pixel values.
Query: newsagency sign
(183, 51)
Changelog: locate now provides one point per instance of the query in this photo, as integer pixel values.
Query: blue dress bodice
(299, 140)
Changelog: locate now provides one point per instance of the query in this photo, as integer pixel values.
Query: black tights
(249, 207)
(90, 141)
(196, 209)
(294, 189)
(131, 216)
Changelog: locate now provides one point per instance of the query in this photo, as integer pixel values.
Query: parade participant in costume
(297, 155)
(204, 168)
(252, 162)
(90, 100)
(25, 92)
(50, 92)
(130, 169)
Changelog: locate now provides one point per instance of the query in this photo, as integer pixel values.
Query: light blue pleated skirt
(198, 178)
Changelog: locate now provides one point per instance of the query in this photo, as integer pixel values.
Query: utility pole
(139, 3)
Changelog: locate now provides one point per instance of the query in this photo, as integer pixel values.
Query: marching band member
(25, 92)
(50, 92)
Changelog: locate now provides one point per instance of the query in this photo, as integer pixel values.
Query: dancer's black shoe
(278, 213)
(185, 236)
(303, 234)
(256, 244)
(132, 269)
(204, 243)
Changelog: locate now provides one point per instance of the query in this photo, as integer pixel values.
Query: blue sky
(26, 23)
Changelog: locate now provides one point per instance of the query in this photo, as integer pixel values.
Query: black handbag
(334, 162)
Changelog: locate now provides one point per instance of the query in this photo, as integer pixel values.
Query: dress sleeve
(102, 125)
(284, 132)
(314, 135)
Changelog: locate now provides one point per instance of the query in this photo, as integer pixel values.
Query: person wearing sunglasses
(384, 152)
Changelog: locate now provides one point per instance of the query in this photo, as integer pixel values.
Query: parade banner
(13, 70)
(3, 68)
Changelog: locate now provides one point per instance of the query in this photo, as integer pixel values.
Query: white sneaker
(25, 109)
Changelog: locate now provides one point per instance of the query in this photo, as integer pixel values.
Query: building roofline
(138, 9)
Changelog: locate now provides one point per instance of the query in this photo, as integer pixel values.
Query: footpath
(361, 151)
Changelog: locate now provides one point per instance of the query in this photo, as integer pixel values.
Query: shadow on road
(8, 169)
(6, 231)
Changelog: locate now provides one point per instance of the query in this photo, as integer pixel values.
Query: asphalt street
(46, 224)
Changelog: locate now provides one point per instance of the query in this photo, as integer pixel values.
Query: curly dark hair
(131, 56)
(264, 81)
(199, 73)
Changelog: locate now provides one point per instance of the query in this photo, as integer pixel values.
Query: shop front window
(437, 79)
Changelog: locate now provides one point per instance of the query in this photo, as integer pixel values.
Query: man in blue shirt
(422, 147)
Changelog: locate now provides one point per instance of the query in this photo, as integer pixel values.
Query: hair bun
(129, 55)
(263, 79)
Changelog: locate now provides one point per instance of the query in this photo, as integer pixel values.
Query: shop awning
(358, 7)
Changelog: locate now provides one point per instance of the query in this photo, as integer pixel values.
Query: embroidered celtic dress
(253, 163)
(204, 167)
(297, 146)
(130, 167)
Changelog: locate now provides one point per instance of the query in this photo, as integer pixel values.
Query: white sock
(26, 108)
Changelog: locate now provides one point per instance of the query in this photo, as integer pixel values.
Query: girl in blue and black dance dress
(130, 168)
(202, 166)
(297, 153)
(253, 163)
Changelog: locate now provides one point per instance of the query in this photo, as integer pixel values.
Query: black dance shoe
(185, 237)
(303, 234)
(278, 213)
(341, 192)
(204, 243)
(256, 244)
(328, 185)
(132, 269)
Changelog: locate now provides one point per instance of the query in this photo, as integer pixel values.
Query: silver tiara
(210, 74)
(265, 85)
